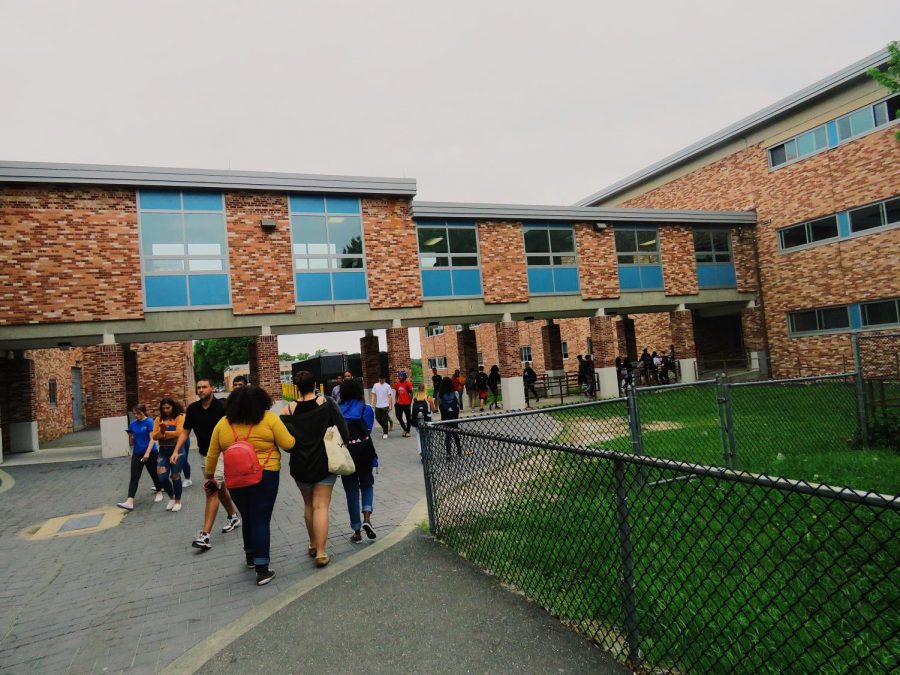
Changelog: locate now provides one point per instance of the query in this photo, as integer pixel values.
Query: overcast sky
(528, 102)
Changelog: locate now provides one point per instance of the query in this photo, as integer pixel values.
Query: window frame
(548, 227)
(186, 272)
(882, 208)
(878, 326)
(564, 347)
(819, 314)
(636, 253)
(328, 257)
(53, 392)
(522, 353)
(433, 331)
(434, 363)
(447, 225)
(807, 232)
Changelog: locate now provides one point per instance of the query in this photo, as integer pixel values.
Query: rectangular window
(819, 320)
(867, 217)
(821, 229)
(51, 391)
(590, 345)
(550, 258)
(565, 349)
(637, 253)
(881, 313)
(480, 358)
(327, 245)
(715, 265)
(525, 353)
(431, 331)
(184, 250)
(439, 362)
(449, 259)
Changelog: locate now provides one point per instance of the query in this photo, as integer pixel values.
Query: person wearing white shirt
(382, 399)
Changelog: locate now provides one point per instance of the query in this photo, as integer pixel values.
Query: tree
(284, 356)
(213, 356)
(889, 78)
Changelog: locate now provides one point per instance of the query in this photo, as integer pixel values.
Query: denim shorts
(330, 479)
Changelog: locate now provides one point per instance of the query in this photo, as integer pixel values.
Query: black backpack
(449, 405)
(481, 381)
(420, 407)
(360, 445)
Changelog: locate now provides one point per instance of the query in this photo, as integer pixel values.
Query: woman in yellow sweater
(247, 417)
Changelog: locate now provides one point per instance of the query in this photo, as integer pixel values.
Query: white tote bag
(339, 460)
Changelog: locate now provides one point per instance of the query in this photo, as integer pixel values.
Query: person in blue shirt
(360, 486)
(143, 456)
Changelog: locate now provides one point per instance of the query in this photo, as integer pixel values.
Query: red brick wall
(164, 369)
(262, 277)
(508, 353)
(551, 340)
(109, 392)
(597, 269)
(54, 420)
(653, 331)
(603, 335)
(371, 364)
(503, 273)
(76, 255)
(683, 334)
(398, 352)
(679, 264)
(392, 253)
(265, 371)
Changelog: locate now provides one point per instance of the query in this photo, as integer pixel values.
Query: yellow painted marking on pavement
(193, 659)
(6, 481)
(110, 516)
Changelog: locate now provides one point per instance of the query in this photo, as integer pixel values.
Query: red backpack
(242, 467)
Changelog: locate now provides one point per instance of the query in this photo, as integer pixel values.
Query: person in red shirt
(403, 402)
(459, 386)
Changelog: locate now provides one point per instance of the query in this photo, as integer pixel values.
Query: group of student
(478, 384)
(161, 446)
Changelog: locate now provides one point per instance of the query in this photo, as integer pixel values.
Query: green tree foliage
(889, 78)
(213, 356)
(415, 374)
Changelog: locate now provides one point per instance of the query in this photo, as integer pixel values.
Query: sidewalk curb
(7, 482)
(197, 656)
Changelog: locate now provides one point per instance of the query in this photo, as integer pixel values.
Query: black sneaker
(249, 558)
(369, 530)
(265, 576)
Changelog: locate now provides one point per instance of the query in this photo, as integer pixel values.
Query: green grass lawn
(728, 577)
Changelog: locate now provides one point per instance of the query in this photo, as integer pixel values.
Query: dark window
(793, 236)
(817, 320)
(823, 228)
(892, 211)
(866, 218)
(803, 322)
(777, 155)
(880, 313)
(52, 391)
(834, 317)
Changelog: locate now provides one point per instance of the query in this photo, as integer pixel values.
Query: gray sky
(530, 102)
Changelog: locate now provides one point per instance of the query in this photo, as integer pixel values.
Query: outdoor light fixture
(267, 224)
(599, 227)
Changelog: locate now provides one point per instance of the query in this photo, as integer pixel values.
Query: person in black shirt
(201, 418)
(530, 377)
(435, 381)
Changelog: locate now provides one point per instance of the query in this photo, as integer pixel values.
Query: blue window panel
(629, 278)
(540, 280)
(209, 289)
(307, 204)
(566, 279)
(436, 283)
(467, 282)
(651, 276)
(718, 275)
(159, 199)
(855, 316)
(204, 201)
(342, 204)
(166, 291)
(832, 134)
(313, 287)
(349, 285)
(843, 224)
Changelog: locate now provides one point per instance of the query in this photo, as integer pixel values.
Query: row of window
(837, 131)
(440, 362)
(840, 225)
(877, 314)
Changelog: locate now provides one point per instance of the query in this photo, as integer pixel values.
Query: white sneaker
(202, 541)
(187, 482)
(231, 523)
(384, 436)
(126, 505)
(176, 507)
(158, 498)
(170, 505)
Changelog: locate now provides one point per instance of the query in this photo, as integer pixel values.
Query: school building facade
(110, 259)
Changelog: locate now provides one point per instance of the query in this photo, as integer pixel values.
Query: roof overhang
(204, 179)
(530, 212)
(785, 106)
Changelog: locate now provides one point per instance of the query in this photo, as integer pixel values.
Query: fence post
(729, 420)
(424, 431)
(726, 422)
(625, 551)
(634, 424)
(862, 417)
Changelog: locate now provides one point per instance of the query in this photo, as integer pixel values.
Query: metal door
(77, 406)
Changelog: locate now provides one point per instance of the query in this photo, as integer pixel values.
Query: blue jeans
(359, 485)
(170, 478)
(255, 504)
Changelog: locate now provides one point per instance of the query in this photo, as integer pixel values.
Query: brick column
(605, 340)
(18, 401)
(754, 341)
(682, 323)
(110, 399)
(264, 370)
(398, 352)
(369, 356)
(466, 350)
(625, 337)
(509, 356)
(551, 339)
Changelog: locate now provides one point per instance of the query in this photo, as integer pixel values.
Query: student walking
(143, 456)
(423, 405)
(529, 377)
(435, 382)
(590, 376)
(481, 386)
(166, 430)
(494, 386)
(459, 386)
(360, 486)
(449, 406)
(402, 402)
(248, 418)
(471, 388)
(381, 398)
(310, 417)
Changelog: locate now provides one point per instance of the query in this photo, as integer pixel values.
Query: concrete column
(551, 339)
(264, 368)
(398, 352)
(111, 400)
(18, 399)
(509, 357)
(752, 331)
(369, 356)
(466, 349)
(682, 322)
(606, 346)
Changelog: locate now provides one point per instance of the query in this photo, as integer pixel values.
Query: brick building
(752, 240)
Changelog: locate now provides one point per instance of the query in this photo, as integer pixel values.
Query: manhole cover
(81, 522)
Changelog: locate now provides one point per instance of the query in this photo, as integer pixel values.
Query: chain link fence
(670, 566)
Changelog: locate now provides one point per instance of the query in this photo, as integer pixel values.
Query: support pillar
(754, 342)
(551, 338)
(682, 322)
(604, 338)
(264, 367)
(398, 351)
(18, 400)
(626, 338)
(466, 350)
(509, 356)
(111, 399)
(371, 362)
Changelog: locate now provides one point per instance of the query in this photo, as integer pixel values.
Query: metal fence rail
(671, 566)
